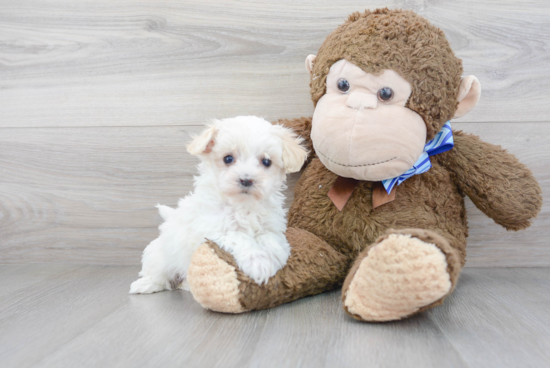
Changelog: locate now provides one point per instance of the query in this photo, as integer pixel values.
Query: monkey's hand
(496, 182)
(302, 127)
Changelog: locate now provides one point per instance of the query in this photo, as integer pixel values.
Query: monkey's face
(361, 127)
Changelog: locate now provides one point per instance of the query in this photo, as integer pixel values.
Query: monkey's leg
(312, 268)
(403, 273)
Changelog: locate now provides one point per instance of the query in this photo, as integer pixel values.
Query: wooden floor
(81, 316)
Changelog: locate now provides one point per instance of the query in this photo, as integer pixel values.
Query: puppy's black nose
(247, 182)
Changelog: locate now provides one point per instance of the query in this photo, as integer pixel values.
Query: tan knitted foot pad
(398, 277)
(213, 282)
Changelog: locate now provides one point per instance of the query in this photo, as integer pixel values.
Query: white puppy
(237, 202)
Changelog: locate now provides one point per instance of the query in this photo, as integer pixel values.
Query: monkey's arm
(498, 184)
(302, 127)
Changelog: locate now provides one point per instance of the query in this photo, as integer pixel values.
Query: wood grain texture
(168, 62)
(87, 195)
(489, 302)
(83, 317)
(45, 307)
(97, 99)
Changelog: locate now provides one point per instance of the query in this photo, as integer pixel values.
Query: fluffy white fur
(247, 221)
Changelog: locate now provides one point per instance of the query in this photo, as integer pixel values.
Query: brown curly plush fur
(405, 42)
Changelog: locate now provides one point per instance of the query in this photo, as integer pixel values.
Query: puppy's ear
(294, 153)
(203, 143)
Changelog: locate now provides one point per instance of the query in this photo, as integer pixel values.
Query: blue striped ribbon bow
(443, 141)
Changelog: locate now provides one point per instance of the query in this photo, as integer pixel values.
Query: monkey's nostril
(247, 182)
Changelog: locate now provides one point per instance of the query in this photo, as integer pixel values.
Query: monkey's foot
(213, 281)
(404, 272)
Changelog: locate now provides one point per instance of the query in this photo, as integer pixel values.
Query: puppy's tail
(165, 211)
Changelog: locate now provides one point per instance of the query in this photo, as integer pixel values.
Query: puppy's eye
(228, 159)
(343, 85)
(385, 94)
(266, 162)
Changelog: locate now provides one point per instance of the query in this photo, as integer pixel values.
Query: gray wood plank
(16, 277)
(499, 317)
(170, 329)
(83, 316)
(130, 63)
(87, 195)
(40, 318)
(317, 333)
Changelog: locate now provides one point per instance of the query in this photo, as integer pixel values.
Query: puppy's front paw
(145, 285)
(258, 266)
(276, 247)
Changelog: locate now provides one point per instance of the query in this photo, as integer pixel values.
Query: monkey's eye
(343, 85)
(266, 162)
(385, 94)
(228, 159)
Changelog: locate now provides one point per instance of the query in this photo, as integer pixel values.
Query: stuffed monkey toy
(379, 209)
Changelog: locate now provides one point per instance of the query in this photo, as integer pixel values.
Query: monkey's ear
(468, 95)
(309, 62)
(294, 153)
(204, 142)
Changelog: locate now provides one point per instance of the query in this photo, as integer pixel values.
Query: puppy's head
(247, 156)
